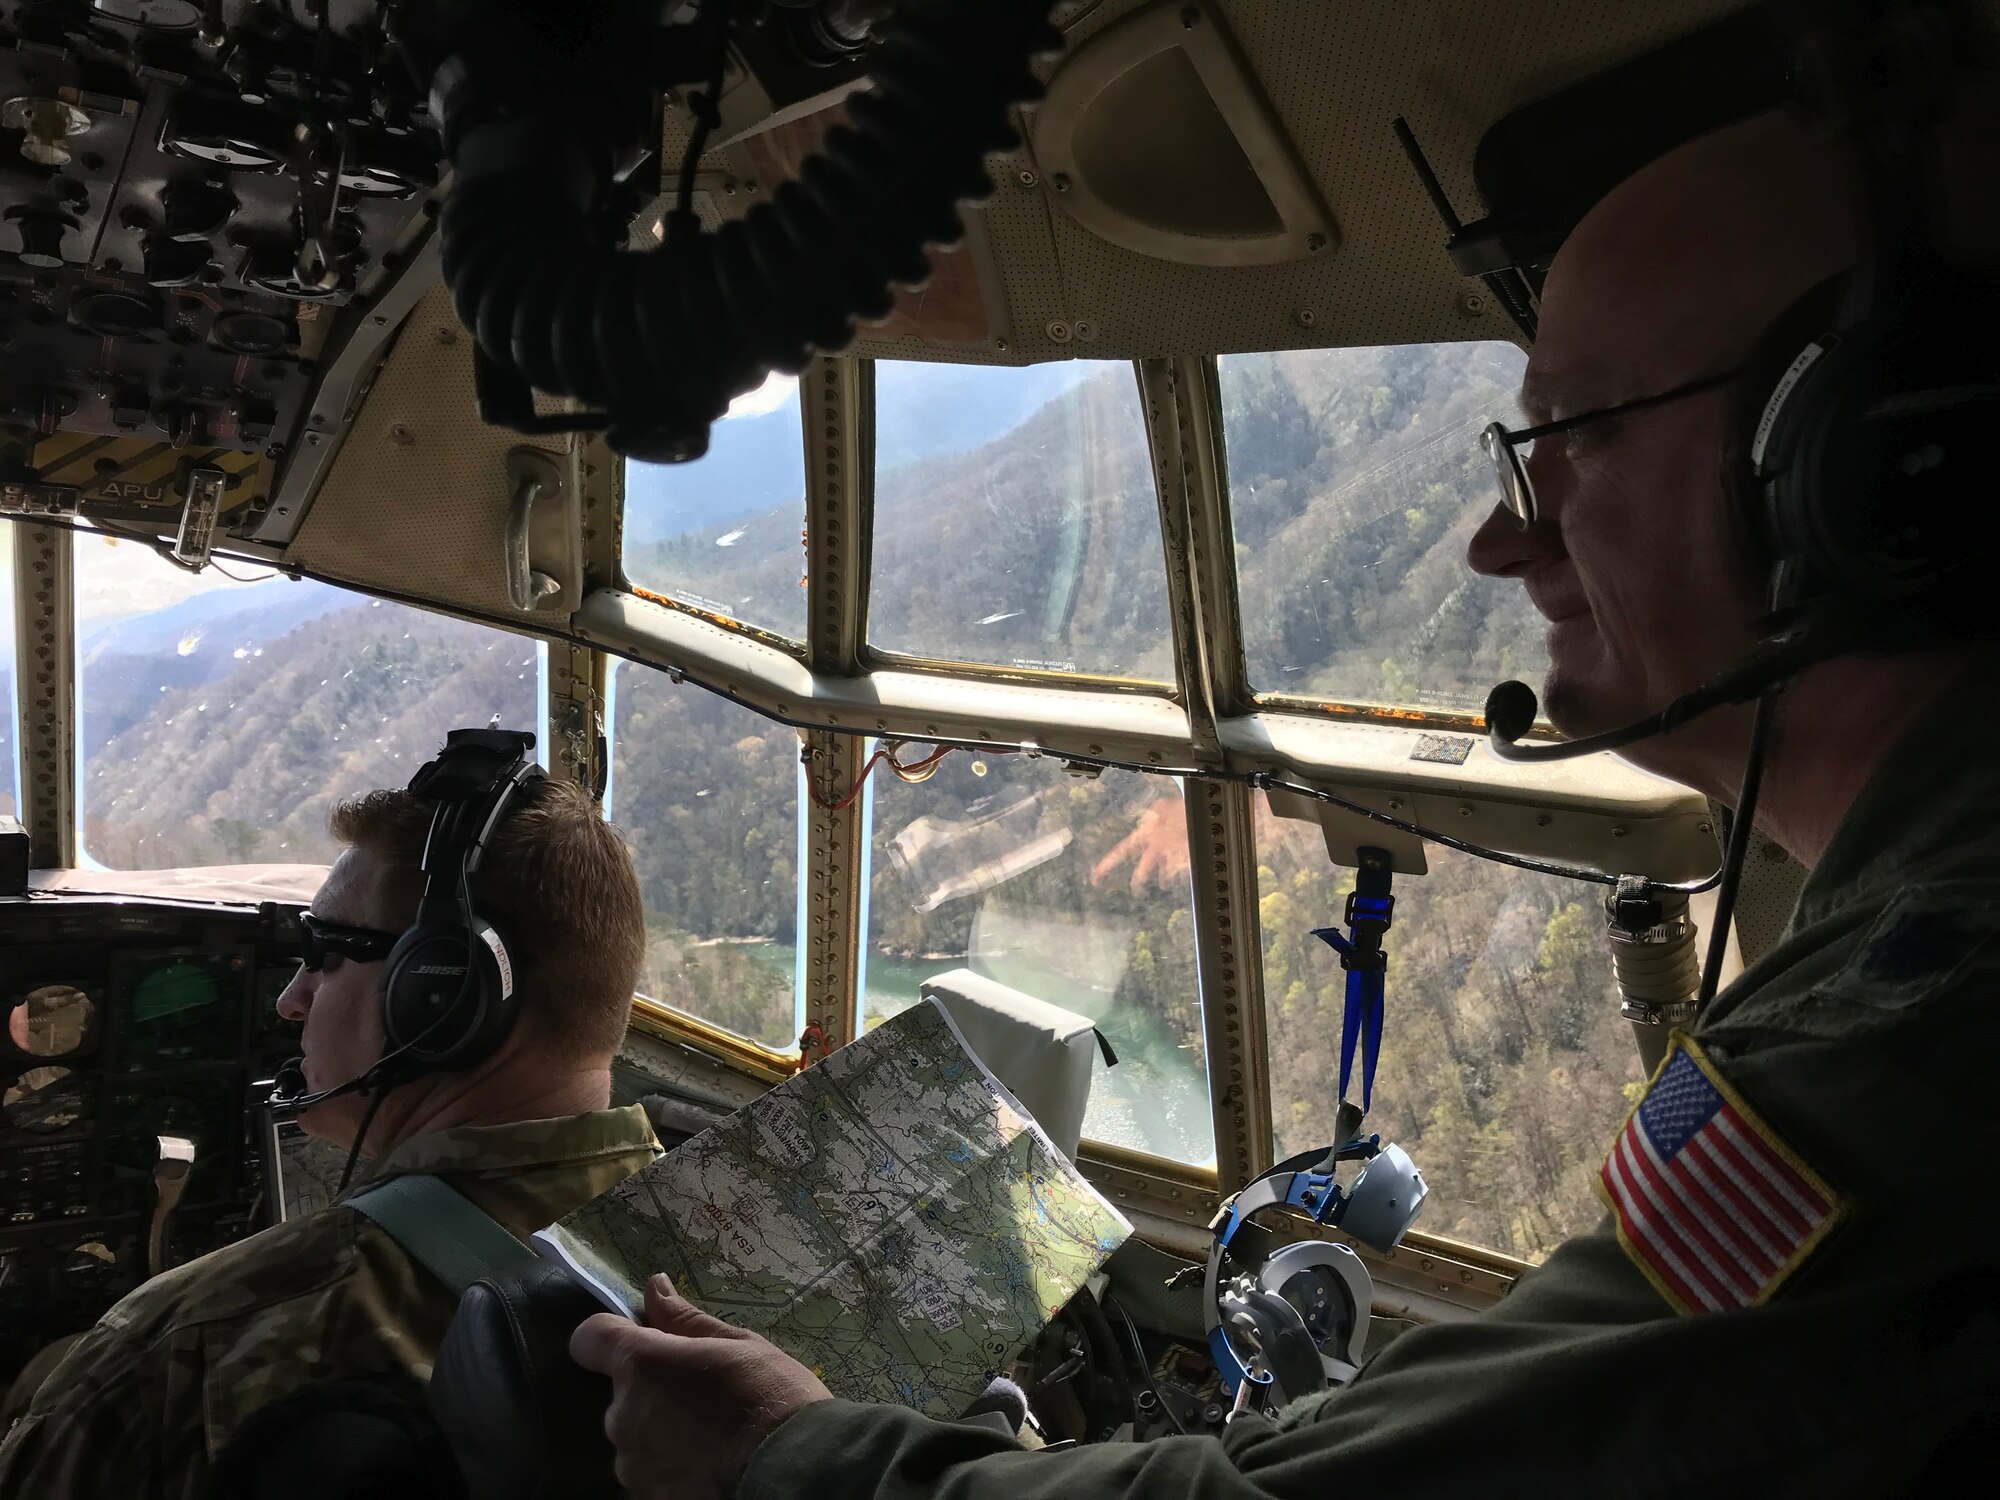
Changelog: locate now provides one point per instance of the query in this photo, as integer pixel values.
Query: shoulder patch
(1922, 942)
(1709, 1203)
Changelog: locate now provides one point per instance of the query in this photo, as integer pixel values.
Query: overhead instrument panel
(192, 196)
(127, 1021)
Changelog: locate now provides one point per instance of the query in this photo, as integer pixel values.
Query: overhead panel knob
(42, 233)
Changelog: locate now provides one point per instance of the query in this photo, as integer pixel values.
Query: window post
(836, 410)
(576, 731)
(45, 689)
(1201, 579)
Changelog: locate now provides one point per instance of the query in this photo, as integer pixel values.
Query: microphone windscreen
(1510, 710)
(289, 1082)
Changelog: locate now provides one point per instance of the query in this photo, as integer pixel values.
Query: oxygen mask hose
(658, 342)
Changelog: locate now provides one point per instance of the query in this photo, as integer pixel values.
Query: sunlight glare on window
(706, 793)
(1015, 520)
(724, 534)
(219, 721)
(1505, 1067)
(1075, 892)
(1355, 482)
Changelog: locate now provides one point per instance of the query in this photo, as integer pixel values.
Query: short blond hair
(556, 879)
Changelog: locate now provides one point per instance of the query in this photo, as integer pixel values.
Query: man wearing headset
(329, 1309)
(1849, 1348)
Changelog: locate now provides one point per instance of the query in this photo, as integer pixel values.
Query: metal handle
(534, 475)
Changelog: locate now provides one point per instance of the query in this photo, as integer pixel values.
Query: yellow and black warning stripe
(132, 471)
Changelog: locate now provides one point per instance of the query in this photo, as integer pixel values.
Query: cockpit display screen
(180, 1007)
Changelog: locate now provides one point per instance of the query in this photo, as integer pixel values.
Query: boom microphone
(1510, 710)
(1511, 706)
(1510, 713)
(288, 1087)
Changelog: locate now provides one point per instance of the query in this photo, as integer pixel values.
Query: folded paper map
(891, 1218)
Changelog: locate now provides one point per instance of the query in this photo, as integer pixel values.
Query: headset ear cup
(1878, 494)
(446, 1003)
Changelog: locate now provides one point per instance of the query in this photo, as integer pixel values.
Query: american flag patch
(1712, 1206)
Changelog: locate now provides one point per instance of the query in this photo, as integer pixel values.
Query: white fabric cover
(1041, 1052)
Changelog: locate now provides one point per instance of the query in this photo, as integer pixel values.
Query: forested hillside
(245, 766)
(1356, 483)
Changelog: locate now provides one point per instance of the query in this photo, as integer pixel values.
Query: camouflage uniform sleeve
(102, 1425)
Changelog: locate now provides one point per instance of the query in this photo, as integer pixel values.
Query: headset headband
(474, 779)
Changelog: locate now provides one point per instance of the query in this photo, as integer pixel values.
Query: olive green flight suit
(150, 1396)
(1866, 1042)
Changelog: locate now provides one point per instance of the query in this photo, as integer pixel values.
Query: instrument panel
(127, 1020)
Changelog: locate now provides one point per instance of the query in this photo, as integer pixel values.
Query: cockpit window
(725, 536)
(1506, 1066)
(1015, 520)
(1075, 892)
(220, 717)
(10, 770)
(1355, 481)
(707, 795)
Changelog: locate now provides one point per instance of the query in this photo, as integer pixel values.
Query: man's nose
(297, 997)
(1500, 548)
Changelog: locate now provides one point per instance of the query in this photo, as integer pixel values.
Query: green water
(1156, 1098)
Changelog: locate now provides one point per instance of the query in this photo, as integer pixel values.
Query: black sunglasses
(362, 944)
(1502, 443)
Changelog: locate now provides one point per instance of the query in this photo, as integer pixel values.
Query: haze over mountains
(755, 459)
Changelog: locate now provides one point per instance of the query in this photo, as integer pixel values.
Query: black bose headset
(1869, 449)
(448, 988)
(448, 985)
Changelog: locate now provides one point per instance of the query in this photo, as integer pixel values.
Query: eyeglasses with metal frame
(1502, 443)
(323, 938)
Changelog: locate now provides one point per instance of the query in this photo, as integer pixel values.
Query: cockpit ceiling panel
(1335, 77)
(417, 501)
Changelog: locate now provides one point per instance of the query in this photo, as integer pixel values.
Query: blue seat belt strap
(1370, 909)
(443, 1230)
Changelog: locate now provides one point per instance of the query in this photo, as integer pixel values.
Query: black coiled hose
(661, 341)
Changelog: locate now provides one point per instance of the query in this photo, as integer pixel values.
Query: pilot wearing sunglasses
(200, 1374)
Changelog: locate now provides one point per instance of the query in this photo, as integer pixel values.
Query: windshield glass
(724, 534)
(1015, 520)
(707, 794)
(1073, 891)
(219, 720)
(1505, 1068)
(1355, 482)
